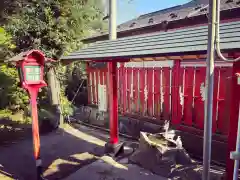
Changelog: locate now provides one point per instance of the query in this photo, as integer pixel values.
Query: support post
(112, 78)
(33, 92)
(233, 122)
(209, 94)
(113, 99)
(113, 146)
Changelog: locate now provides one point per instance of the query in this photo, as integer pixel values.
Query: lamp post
(30, 66)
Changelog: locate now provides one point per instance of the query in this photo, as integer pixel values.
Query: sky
(129, 10)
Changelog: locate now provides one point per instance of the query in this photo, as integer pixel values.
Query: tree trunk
(54, 93)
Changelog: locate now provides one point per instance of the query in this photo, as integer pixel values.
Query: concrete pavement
(70, 153)
(108, 169)
(63, 152)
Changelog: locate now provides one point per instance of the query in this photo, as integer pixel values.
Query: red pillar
(233, 124)
(113, 102)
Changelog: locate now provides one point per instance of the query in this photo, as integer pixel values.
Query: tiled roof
(191, 9)
(178, 41)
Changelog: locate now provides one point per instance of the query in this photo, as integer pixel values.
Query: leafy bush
(67, 107)
(12, 97)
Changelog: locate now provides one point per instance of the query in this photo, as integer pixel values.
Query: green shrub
(12, 97)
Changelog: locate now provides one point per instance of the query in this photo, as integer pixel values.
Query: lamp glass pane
(33, 73)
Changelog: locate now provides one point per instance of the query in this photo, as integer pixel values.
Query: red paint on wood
(33, 93)
(154, 94)
(141, 87)
(118, 88)
(232, 135)
(215, 94)
(101, 77)
(223, 106)
(166, 92)
(135, 89)
(113, 101)
(188, 96)
(129, 76)
(198, 103)
(157, 96)
(150, 91)
(177, 82)
(124, 97)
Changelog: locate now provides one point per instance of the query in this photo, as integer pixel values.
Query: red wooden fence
(164, 91)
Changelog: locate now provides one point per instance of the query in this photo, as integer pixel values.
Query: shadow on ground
(11, 131)
(63, 152)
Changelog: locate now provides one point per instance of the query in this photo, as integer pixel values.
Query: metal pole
(112, 20)
(209, 95)
(236, 162)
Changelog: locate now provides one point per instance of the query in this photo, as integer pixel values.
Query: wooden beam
(148, 59)
(189, 57)
(202, 56)
(160, 58)
(174, 57)
(136, 59)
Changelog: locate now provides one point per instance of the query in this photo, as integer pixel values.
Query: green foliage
(12, 96)
(67, 107)
(55, 27)
(5, 44)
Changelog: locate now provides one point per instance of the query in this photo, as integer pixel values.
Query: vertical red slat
(141, 85)
(149, 87)
(198, 100)
(135, 89)
(166, 90)
(161, 92)
(124, 81)
(131, 88)
(223, 113)
(233, 113)
(157, 92)
(128, 90)
(121, 83)
(215, 94)
(188, 96)
(177, 82)
(101, 77)
(118, 88)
